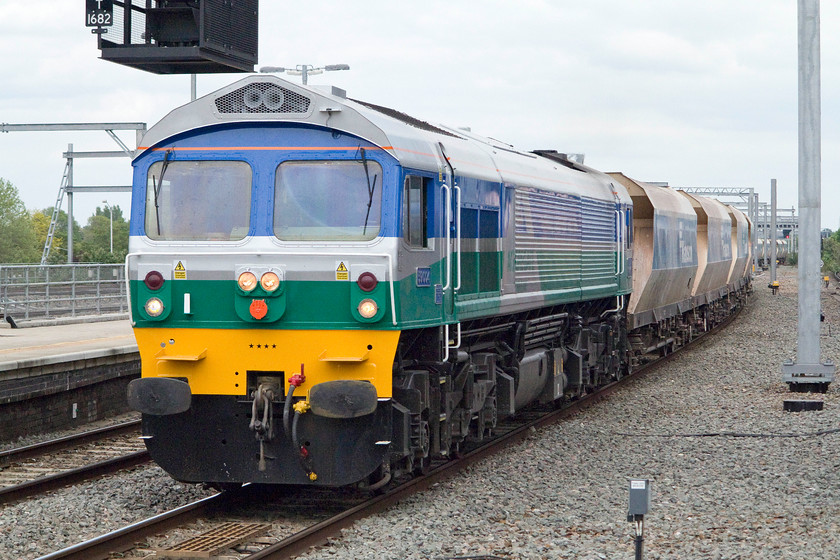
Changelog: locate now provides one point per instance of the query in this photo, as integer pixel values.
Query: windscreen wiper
(371, 188)
(157, 186)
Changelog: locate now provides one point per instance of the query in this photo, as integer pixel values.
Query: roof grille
(262, 97)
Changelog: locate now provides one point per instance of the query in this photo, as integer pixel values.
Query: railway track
(38, 468)
(352, 507)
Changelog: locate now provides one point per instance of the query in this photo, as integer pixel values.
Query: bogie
(544, 359)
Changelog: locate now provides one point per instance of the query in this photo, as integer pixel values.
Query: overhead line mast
(808, 373)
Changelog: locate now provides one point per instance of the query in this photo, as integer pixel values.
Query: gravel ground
(36, 527)
(562, 493)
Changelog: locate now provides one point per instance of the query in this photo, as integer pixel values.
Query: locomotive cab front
(262, 276)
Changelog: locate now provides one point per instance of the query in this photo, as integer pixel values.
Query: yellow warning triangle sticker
(341, 267)
(180, 266)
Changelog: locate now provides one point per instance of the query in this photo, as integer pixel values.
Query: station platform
(31, 347)
(56, 377)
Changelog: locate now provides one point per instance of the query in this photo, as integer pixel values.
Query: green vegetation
(95, 242)
(58, 251)
(17, 234)
(831, 253)
(23, 234)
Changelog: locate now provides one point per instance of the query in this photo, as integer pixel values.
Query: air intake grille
(563, 241)
(262, 98)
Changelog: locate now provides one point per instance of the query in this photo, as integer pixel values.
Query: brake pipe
(303, 453)
(294, 381)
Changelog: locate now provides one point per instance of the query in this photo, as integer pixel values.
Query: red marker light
(367, 281)
(258, 309)
(154, 280)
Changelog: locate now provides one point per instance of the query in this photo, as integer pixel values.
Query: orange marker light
(269, 281)
(247, 281)
(258, 309)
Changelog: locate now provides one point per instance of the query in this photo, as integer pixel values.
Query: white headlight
(368, 308)
(154, 307)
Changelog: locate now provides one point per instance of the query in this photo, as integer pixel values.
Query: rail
(66, 461)
(67, 291)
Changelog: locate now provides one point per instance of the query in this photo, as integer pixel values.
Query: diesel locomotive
(326, 291)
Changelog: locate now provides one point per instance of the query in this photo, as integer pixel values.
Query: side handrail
(619, 250)
(623, 243)
(458, 233)
(447, 201)
(446, 345)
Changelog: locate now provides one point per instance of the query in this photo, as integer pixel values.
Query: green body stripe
(218, 304)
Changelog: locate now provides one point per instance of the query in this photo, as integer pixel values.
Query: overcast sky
(693, 93)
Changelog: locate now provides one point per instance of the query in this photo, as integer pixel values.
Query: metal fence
(31, 292)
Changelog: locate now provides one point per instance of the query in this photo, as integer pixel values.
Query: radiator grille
(547, 239)
(562, 241)
(597, 239)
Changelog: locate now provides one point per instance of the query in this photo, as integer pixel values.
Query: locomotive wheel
(622, 371)
(422, 466)
(557, 404)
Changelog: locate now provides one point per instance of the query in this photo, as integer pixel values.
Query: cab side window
(414, 212)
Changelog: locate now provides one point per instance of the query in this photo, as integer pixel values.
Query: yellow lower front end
(217, 362)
